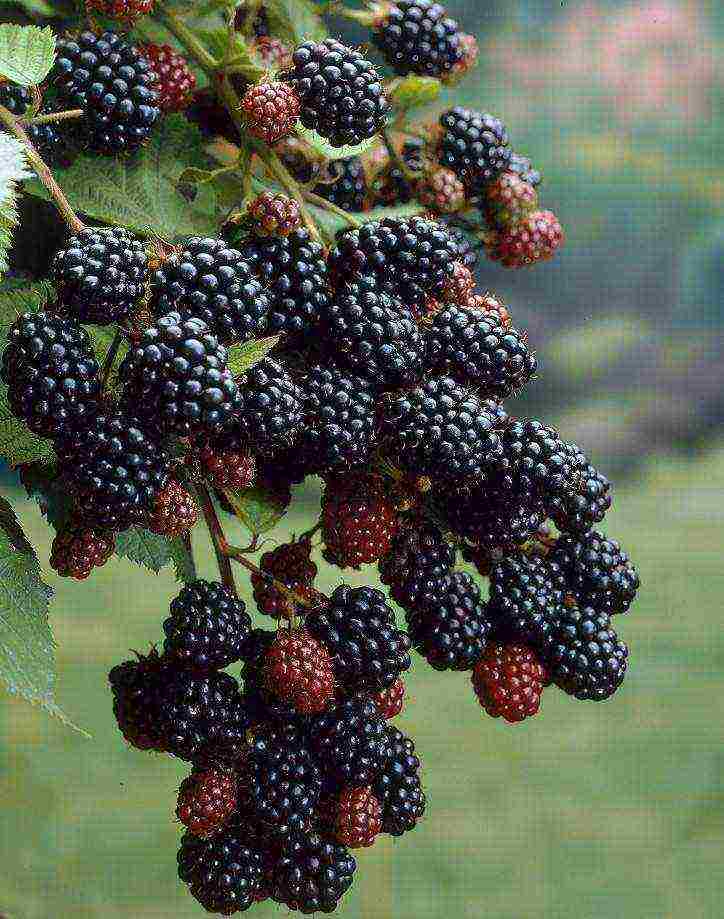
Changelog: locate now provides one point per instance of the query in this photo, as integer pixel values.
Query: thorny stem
(218, 539)
(42, 171)
(51, 117)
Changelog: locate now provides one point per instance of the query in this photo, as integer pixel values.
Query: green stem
(217, 538)
(52, 117)
(177, 27)
(325, 205)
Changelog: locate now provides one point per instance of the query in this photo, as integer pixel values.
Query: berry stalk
(52, 117)
(218, 539)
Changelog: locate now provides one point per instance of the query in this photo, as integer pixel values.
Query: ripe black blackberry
(224, 873)
(284, 781)
(474, 145)
(271, 408)
(417, 558)
(358, 628)
(474, 347)
(450, 631)
(340, 419)
(207, 627)
(294, 276)
(526, 600)
(440, 429)
(51, 373)
(586, 658)
(399, 789)
(137, 687)
(112, 82)
(213, 282)
(586, 506)
(410, 258)
(523, 167)
(341, 93)
(48, 139)
(373, 336)
(417, 36)
(351, 742)
(177, 378)
(113, 469)
(539, 462)
(312, 874)
(597, 571)
(101, 274)
(348, 189)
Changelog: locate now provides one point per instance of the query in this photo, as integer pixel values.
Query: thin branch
(407, 174)
(52, 117)
(325, 205)
(177, 27)
(217, 537)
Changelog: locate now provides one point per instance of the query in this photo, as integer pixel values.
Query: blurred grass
(592, 812)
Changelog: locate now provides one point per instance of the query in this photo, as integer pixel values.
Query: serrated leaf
(413, 90)
(43, 484)
(26, 53)
(258, 509)
(183, 561)
(295, 21)
(18, 445)
(144, 548)
(10, 525)
(323, 147)
(242, 357)
(142, 192)
(13, 169)
(15, 300)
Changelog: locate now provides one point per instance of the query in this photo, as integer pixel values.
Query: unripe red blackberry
(275, 214)
(390, 701)
(175, 511)
(508, 200)
(207, 800)
(78, 549)
(536, 238)
(508, 681)
(357, 817)
(176, 81)
(291, 564)
(125, 11)
(474, 146)
(460, 286)
(488, 303)
(358, 521)
(228, 467)
(298, 670)
(136, 686)
(442, 191)
(417, 36)
(270, 111)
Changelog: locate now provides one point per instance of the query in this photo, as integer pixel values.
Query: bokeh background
(594, 812)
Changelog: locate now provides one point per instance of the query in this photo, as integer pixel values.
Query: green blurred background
(592, 812)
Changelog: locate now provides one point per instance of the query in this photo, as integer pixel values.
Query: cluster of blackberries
(293, 769)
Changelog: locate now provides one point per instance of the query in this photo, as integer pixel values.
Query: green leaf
(295, 21)
(26, 53)
(242, 357)
(183, 561)
(141, 192)
(144, 548)
(41, 8)
(412, 90)
(258, 509)
(323, 147)
(18, 445)
(27, 649)
(15, 300)
(13, 169)
(43, 484)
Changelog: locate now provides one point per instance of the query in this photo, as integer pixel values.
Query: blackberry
(442, 430)
(358, 521)
(228, 464)
(78, 549)
(136, 686)
(202, 716)
(174, 513)
(51, 373)
(451, 631)
(357, 818)
(442, 191)
(176, 82)
(275, 214)
(291, 564)
(526, 600)
(539, 461)
(490, 306)
(351, 742)
(535, 238)
(474, 145)
(373, 336)
(293, 273)
(298, 671)
(586, 657)
(263, 705)
(466, 253)
(340, 418)
(207, 627)
(206, 800)
(113, 469)
(358, 628)
(212, 282)
(418, 557)
(399, 789)
(410, 258)
(271, 409)
(101, 274)
(508, 200)
(476, 348)
(389, 702)
(508, 681)
(270, 111)
(178, 380)
(460, 286)
(348, 188)
(47, 139)
(523, 167)
(224, 873)
(578, 511)
(284, 781)
(113, 83)
(125, 11)
(312, 874)
(417, 36)
(597, 571)
(341, 93)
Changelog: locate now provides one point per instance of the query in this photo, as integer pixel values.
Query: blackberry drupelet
(474, 145)
(312, 874)
(358, 520)
(263, 705)
(48, 139)
(535, 238)
(348, 189)
(357, 818)
(465, 253)
(523, 167)
(582, 509)
(418, 557)
(51, 373)
(176, 81)
(597, 571)
(228, 463)
(101, 274)
(451, 631)
(209, 280)
(417, 36)
(174, 513)
(474, 347)
(177, 378)
(291, 564)
(270, 110)
(507, 200)
(113, 469)
(137, 686)
(274, 214)
(539, 462)
(442, 430)
(358, 628)
(460, 286)
(271, 409)
(441, 191)
(78, 549)
(509, 681)
(113, 83)
(587, 660)
(207, 627)
(399, 789)
(341, 93)
(207, 800)
(298, 671)
(351, 742)
(373, 336)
